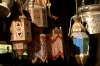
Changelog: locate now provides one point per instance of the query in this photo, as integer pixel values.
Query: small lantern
(90, 14)
(38, 14)
(20, 30)
(55, 44)
(80, 41)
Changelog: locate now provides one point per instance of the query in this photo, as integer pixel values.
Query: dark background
(64, 10)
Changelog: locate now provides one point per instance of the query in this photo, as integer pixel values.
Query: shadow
(94, 44)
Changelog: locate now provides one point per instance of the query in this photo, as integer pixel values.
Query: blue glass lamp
(80, 41)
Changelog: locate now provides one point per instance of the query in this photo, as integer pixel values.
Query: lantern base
(19, 52)
(81, 59)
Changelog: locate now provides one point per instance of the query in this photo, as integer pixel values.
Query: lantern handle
(70, 26)
(83, 4)
(25, 3)
(72, 18)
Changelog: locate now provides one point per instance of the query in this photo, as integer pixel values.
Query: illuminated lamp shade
(80, 41)
(55, 44)
(38, 14)
(21, 29)
(21, 34)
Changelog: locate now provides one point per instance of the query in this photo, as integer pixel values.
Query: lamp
(21, 34)
(38, 13)
(80, 41)
(55, 44)
(90, 14)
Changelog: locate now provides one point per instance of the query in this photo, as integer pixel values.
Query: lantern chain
(83, 2)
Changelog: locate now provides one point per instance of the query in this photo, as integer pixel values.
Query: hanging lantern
(90, 14)
(80, 41)
(21, 33)
(42, 53)
(33, 47)
(38, 14)
(55, 44)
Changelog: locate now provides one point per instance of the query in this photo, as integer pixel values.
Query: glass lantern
(55, 44)
(80, 41)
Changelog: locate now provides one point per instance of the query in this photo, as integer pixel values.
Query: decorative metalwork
(38, 14)
(80, 41)
(55, 44)
(90, 14)
(20, 32)
(37, 49)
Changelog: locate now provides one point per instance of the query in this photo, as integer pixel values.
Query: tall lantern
(55, 44)
(80, 41)
(42, 47)
(21, 34)
(38, 14)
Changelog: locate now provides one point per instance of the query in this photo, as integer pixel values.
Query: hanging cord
(70, 26)
(22, 5)
(76, 8)
(49, 5)
(25, 3)
(57, 13)
(72, 18)
(83, 2)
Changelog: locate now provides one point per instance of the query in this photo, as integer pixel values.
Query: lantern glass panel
(85, 45)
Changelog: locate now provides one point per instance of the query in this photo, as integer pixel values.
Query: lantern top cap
(43, 35)
(77, 26)
(36, 5)
(76, 18)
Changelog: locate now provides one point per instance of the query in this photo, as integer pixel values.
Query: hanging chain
(83, 2)
(76, 7)
(49, 5)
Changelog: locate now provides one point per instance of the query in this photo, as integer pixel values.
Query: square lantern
(21, 30)
(38, 14)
